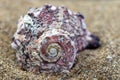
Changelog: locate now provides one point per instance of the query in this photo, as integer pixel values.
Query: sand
(102, 18)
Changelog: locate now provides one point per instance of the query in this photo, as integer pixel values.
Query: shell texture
(49, 38)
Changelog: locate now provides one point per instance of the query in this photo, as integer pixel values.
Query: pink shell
(48, 39)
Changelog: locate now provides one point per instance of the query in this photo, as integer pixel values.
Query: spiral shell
(48, 39)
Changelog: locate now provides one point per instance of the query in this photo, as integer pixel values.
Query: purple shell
(48, 39)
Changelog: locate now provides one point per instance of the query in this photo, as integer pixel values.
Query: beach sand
(102, 18)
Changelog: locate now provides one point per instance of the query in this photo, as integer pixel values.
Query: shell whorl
(57, 48)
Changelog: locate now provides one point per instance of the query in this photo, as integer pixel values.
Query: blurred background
(102, 18)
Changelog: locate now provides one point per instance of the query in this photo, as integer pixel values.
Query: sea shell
(49, 38)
